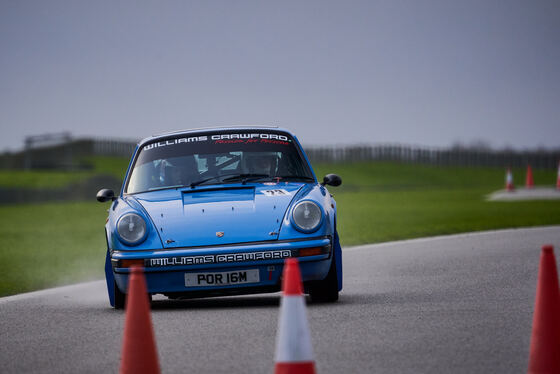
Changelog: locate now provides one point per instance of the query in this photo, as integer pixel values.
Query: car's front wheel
(120, 297)
(326, 290)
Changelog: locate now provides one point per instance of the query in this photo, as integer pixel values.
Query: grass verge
(47, 179)
(45, 245)
(390, 201)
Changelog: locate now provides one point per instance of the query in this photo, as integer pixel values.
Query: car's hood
(220, 214)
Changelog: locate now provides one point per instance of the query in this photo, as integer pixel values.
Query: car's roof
(195, 131)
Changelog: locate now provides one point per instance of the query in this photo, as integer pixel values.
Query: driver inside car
(261, 164)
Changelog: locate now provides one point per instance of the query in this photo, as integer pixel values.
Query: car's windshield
(218, 157)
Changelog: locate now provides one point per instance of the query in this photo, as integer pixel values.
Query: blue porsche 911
(212, 212)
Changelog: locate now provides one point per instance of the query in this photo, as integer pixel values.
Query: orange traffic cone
(139, 353)
(294, 353)
(529, 178)
(544, 356)
(509, 180)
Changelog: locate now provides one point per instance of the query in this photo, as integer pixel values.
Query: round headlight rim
(301, 229)
(128, 242)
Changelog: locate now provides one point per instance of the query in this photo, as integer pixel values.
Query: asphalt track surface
(460, 304)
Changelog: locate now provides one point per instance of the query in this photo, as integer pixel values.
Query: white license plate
(221, 278)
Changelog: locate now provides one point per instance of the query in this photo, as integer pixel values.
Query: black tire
(120, 297)
(326, 290)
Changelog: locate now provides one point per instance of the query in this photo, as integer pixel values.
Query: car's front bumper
(166, 270)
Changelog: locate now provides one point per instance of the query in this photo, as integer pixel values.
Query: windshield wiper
(304, 177)
(246, 177)
(165, 187)
(194, 184)
(231, 177)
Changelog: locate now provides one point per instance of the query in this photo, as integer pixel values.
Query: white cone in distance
(294, 353)
(509, 180)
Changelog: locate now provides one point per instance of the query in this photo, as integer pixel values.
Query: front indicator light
(311, 251)
(131, 263)
(314, 251)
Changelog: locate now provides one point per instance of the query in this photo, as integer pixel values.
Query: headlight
(131, 228)
(307, 216)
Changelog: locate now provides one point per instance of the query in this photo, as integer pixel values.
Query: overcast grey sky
(417, 72)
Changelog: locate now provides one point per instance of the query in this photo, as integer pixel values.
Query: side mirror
(332, 180)
(105, 195)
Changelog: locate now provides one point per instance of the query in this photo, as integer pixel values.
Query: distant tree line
(455, 156)
(67, 155)
(70, 154)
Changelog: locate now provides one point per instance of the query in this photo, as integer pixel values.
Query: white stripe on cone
(293, 342)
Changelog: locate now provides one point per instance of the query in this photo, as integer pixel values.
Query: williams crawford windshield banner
(216, 143)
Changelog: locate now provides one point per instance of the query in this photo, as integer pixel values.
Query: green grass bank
(390, 201)
(47, 179)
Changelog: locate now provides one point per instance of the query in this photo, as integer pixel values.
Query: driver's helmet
(261, 163)
(176, 171)
(168, 174)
